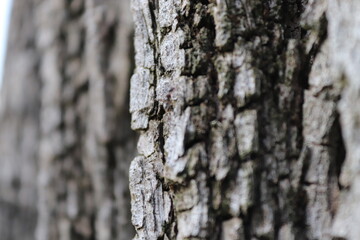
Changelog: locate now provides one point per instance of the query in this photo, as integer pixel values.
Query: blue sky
(4, 22)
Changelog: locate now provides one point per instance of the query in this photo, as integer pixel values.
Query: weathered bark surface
(344, 50)
(66, 146)
(236, 108)
(241, 106)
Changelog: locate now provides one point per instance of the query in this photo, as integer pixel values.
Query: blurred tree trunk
(66, 141)
(19, 128)
(236, 108)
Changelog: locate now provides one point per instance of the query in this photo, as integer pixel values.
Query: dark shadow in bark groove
(338, 159)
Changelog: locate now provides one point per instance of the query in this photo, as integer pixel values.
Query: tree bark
(19, 128)
(246, 110)
(344, 51)
(66, 141)
(237, 113)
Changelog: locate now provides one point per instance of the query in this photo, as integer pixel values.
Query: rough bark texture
(66, 142)
(247, 112)
(344, 38)
(236, 107)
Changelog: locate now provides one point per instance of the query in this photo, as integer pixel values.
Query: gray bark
(19, 128)
(236, 106)
(246, 110)
(344, 53)
(66, 141)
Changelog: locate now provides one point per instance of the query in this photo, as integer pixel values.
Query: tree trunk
(246, 110)
(66, 146)
(19, 128)
(237, 113)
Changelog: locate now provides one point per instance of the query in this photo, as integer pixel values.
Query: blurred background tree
(65, 135)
